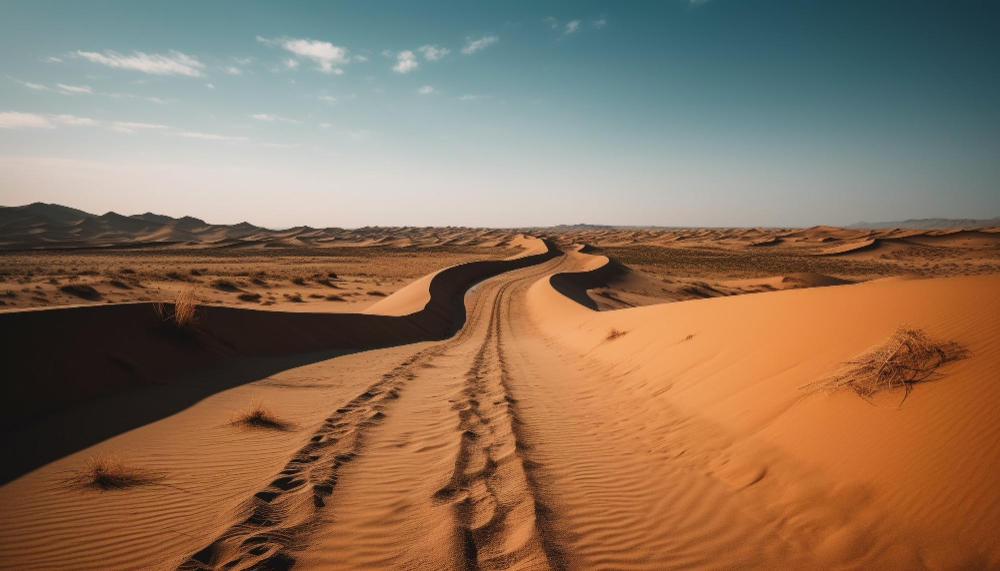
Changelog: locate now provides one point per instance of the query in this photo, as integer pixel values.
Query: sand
(557, 409)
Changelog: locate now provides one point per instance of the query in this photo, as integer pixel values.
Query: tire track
(500, 521)
(274, 523)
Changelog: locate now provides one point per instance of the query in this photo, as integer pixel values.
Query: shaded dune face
(531, 422)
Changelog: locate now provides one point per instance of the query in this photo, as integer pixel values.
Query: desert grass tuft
(108, 472)
(184, 314)
(257, 415)
(615, 334)
(907, 357)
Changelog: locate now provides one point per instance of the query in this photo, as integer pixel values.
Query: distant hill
(931, 223)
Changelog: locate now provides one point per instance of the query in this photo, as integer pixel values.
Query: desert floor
(615, 400)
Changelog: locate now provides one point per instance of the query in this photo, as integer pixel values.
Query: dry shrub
(335, 298)
(295, 297)
(185, 311)
(377, 293)
(249, 296)
(906, 358)
(82, 291)
(223, 284)
(112, 472)
(299, 281)
(257, 415)
(615, 334)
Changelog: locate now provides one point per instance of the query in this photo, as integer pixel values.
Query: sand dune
(544, 411)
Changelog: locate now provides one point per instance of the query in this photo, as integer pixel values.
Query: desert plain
(184, 395)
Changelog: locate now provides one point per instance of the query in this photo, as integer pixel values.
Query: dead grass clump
(615, 334)
(257, 415)
(377, 293)
(335, 298)
(300, 281)
(906, 358)
(327, 283)
(82, 291)
(184, 314)
(248, 296)
(112, 472)
(295, 297)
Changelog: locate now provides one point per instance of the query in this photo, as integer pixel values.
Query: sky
(504, 114)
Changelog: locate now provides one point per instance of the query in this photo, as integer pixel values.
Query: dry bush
(377, 293)
(299, 281)
(185, 311)
(335, 298)
(249, 296)
(223, 284)
(295, 297)
(906, 358)
(615, 334)
(82, 291)
(257, 415)
(111, 472)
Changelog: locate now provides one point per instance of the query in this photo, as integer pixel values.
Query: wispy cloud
(159, 101)
(474, 46)
(28, 84)
(16, 120)
(232, 70)
(327, 99)
(426, 90)
(572, 27)
(327, 56)
(74, 88)
(271, 118)
(292, 63)
(74, 120)
(405, 62)
(176, 63)
(52, 59)
(552, 22)
(433, 53)
(355, 134)
(210, 86)
(211, 136)
(599, 23)
(470, 97)
(130, 127)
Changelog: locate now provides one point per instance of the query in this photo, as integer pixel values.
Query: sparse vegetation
(82, 291)
(906, 358)
(294, 297)
(223, 284)
(112, 472)
(377, 293)
(184, 312)
(257, 415)
(249, 296)
(299, 281)
(615, 334)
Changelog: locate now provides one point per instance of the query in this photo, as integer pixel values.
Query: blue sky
(706, 113)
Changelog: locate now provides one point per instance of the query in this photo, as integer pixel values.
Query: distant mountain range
(931, 223)
(52, 226)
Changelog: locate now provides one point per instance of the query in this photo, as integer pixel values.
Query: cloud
(74, 88)
(15, 120)
(176, 63)
(73, 120)
(292, 63)
(426, 90)
(28, 84)
(327, 56)
(129, 127)
(599, 23)
(470, 97)
(280, 145)
(233, 70)
(328, 99)
(243, 60)
(325, 125)
(360, 58)
(475, 45)
(405, 62)
(159, 101)
(552, 22)
(52, 59)
(572, 27)
(210, 136)
(210, 86)
(268, 117)
(433, 53)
